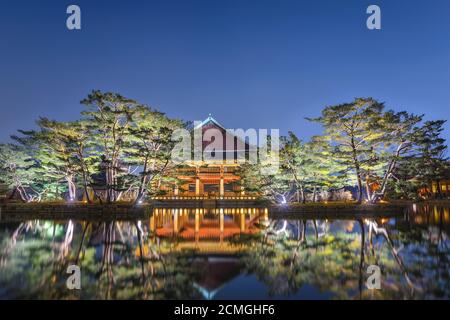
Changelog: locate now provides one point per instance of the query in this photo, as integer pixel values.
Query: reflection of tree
(374, 229)
(287, 263)
(65, 245)
(118, 260)
(336, 262)
(424, 243)
(11, 242)
(30, 260)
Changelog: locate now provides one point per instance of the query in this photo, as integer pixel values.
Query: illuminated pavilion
(213, 178)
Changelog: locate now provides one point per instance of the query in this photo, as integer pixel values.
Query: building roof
(209, 120)
(238, 143)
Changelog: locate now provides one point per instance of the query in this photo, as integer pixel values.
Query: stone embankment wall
(52, 211)
(309, 211)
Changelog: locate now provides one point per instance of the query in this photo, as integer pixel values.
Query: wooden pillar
(197, 226)
(175, 221)
(221, 187)
(159, 218)
(197, 221)
(152, 224)
(221, 220)
(175, 191)
(242, 221)
(197, 186)
(164, 217)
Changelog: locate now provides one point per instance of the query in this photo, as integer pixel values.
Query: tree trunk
(303, 194)
(72, 188)
(388, 174)
(357, 171)
(368, 192)
(143, 181)
(86, 191)
(304, 231)
(85, 184)
(316, 231)
(108, 183)
(23, 194)
(361, 260)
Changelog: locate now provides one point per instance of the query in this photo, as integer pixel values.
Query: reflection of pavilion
(206, 224)
(208, 233)
(216, 272)
(205, 230)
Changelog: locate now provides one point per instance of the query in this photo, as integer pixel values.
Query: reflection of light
(383, 201)
(414, 208)
(283, 200)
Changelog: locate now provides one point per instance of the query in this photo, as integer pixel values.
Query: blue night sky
(260, 64)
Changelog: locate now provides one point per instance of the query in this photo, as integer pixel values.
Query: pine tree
(322, 172)
(149, 147)
(109, 117)
(294, 163)
(352, 130)
(17, 171)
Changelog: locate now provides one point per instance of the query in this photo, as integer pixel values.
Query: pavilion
(212, 178)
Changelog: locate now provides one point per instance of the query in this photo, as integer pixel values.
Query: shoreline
(128, 211)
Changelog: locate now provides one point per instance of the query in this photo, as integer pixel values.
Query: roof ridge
(210, 119)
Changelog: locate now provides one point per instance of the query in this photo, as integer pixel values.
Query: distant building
(437, 188)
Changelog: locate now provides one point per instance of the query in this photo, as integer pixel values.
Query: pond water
(229, 254)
